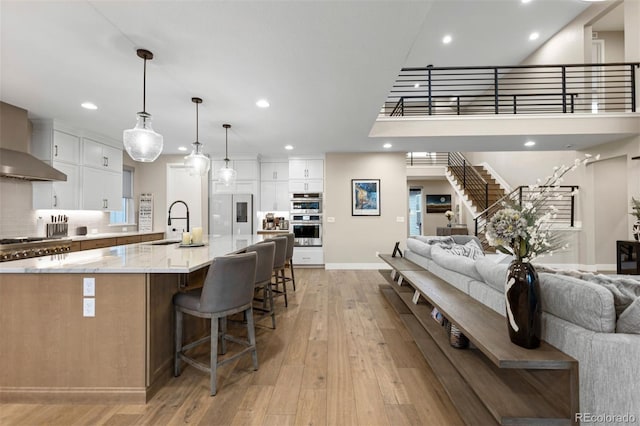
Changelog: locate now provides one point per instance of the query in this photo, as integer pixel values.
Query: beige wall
(356, 239)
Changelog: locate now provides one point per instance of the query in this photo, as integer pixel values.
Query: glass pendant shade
(227, 175)
(197, 162)
(142, 143)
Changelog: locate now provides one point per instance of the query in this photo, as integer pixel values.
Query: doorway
(182, 186)
(415, 211)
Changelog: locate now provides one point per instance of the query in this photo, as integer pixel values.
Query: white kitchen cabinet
(59, 195)
(245, 169)
(306, 169)
(240, 187)
(58, 146)
(51, 141)
(308, 256)
(310, 185)
(274, 196)
(101, 190)
(274, 171)
(101, 156)
(306, 175)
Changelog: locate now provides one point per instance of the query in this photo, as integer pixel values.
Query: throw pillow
(629, 320)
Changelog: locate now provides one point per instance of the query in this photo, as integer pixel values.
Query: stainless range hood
(17, 164)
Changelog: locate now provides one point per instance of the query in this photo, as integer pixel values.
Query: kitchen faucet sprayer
(187, 217)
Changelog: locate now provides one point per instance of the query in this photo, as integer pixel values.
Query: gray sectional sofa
(593, 318)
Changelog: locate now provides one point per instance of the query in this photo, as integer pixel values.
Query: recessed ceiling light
(387, 145)
(446, 39)
(529, 143)
(89, 105)
(288, 147)
(525, 1)
(263, 103)
(182, 148)
(534, 36)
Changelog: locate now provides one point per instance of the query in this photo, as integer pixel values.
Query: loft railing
(519, 89)
(427, 158)
(562, 198)
(472, 182)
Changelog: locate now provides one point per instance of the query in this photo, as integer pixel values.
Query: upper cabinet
(101, 156)
(247, 177)
(51, 141)
(306, 175)
(274, 171)
(59, 147)
(306, 169)
(93, 166)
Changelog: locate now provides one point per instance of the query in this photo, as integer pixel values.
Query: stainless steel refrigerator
(231, 214)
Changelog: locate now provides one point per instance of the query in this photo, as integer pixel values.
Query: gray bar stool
(266, 253)
(278, 267)
(291, 241)
(228, 289)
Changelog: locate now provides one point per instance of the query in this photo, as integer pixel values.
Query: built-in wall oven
(306, 203)
(307, 229)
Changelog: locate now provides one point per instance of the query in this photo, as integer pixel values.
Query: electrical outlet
(88, 287)
(399, 218)
(331, 219)
(88, 307)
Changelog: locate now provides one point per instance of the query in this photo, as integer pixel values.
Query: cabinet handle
(55, 150)
(55, 201)
(105, 161)
(275, 175)
(105, 203)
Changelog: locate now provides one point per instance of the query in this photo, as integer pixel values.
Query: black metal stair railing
(562, 198)
(519, 89)
(474, 185)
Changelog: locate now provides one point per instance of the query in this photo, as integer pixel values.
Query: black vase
(523, 304)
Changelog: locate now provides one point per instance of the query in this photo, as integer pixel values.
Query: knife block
(55, 230)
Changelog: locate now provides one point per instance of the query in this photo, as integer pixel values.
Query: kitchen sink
(164, 242)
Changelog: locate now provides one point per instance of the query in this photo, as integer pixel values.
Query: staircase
(474, 184)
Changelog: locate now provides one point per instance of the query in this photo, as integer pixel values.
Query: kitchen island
(57, 347)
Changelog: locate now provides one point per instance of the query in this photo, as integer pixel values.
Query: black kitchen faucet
(187, 218)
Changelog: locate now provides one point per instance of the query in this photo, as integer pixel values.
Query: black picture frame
(438, 203)
(365, 197)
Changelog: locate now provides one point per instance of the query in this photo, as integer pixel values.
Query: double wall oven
(306, 219)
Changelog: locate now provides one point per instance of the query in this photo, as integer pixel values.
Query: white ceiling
(326, 67)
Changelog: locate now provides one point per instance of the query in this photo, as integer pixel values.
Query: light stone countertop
(147, 257)
(109, 235)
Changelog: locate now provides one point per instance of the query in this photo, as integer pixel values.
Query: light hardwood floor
(339, 356)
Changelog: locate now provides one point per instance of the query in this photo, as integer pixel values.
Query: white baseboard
(376, 265)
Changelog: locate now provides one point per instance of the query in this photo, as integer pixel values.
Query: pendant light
(197, 162)
(226, 174)
(141, 142)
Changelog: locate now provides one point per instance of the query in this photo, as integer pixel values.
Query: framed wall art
(438, 203)
(365, 197)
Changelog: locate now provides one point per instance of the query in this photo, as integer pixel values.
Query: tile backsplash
(17, 217)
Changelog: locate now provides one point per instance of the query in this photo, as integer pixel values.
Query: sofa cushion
(625, 290)
(629, 319)
(419, 247)
(430, 239)
(460, 264)
(495, 275)
(585, 304)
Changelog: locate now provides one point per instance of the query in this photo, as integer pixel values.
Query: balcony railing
(521, 89)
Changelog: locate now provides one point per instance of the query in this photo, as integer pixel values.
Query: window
(126, 213)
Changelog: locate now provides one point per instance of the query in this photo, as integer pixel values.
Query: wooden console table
(495, 381)
(451, 230)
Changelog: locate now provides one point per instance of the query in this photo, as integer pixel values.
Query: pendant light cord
(226, 145)
(144, 87)
(197, 122)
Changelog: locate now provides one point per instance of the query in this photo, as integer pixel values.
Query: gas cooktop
(18, 240)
